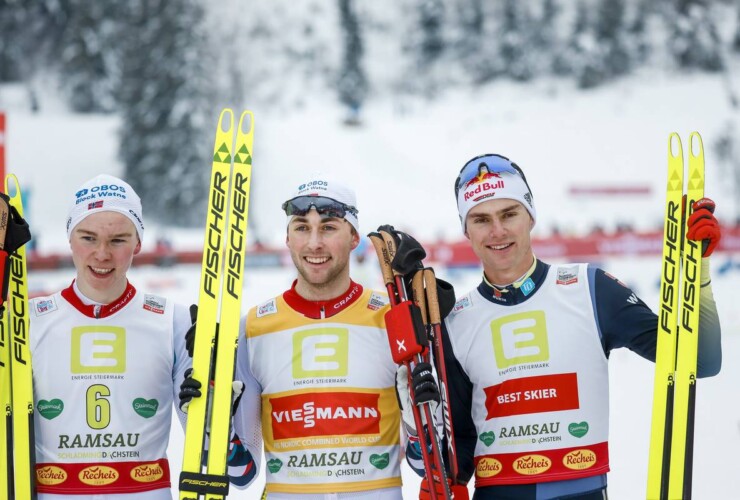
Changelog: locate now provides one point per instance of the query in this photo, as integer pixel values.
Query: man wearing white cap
(319, 377)
(526, 351)
(108, 360)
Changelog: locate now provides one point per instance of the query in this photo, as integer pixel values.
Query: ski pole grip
(417, 288)
(432, 298)
(383, 258)
(390, 243)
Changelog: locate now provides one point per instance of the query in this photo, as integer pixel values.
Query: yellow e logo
(520, 338)
(320, 352)
(98, 349)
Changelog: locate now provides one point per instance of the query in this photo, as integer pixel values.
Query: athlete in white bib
(526, 351)
(319, 377)
(108, 360)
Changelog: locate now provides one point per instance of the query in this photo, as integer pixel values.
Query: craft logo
(520, 338)
(320, 352)
(325, 414)
(488, 467)
(95, 204)
(147, 473)
(98, 475)
(580, 459)
(532, 465)
(50, 475)
(98, 349)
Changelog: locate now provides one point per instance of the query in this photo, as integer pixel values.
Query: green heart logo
(274, 465)
(488, 438)
(50, 409)
(380, 461)
(578, 429)
(145, 407)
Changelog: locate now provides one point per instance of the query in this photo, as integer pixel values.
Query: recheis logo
(325, 414)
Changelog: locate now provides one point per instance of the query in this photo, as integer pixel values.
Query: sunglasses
(328, 207)
(479, 167)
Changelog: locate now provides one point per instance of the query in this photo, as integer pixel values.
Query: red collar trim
(99, 311)
(319, 309)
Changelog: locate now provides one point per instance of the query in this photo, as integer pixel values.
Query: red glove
(703, 226)
(459, 491)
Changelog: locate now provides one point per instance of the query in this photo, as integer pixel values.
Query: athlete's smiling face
(320, 248)
(498, 231)
(103, 246)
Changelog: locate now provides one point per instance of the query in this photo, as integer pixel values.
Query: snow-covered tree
(516, 38)
(352, 84)
(167, 120)
(89, 58)
(694, 40)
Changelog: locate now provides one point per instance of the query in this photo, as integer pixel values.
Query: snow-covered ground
(403, 165)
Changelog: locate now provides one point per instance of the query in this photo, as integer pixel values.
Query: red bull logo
(484, 187)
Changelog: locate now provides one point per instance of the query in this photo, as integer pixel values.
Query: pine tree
(610, 27)
(352, 84)
(163, 98)
(89, 59)
(695, 42)
(515, 39)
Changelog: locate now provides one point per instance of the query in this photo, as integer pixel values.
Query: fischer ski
(219, 309)
(17, 479)
(672, 434)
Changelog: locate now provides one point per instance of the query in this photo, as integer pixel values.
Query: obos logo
(580, 459)
(99, 475)
(147, 473)
(51, 475)
(531, 465)
(488, 467)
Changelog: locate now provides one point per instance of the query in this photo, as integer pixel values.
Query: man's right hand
(189, 389)
(190, 334)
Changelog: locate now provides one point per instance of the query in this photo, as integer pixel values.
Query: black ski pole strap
(204, 484)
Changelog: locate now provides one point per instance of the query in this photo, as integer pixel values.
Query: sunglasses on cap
(482, 166)
(329, 207)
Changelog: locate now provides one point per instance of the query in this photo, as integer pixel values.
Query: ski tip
(226, 120)
(246, 122)
(12, 186)
(696, 144)
(675, 150)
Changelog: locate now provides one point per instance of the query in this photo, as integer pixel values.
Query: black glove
(409, 252)
(189, 389)
(18, 233)
(425, 386)
(190, 334)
